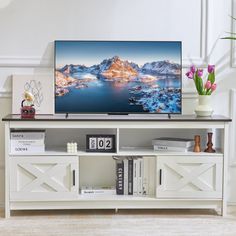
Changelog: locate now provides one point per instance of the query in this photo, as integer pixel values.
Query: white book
(171, 149)
(98, 191)
(27, 135)
(173, 142)
(145, 176)
(32, 142)
(135, 176)
(140, 176)
(27, 149)
(126, 176)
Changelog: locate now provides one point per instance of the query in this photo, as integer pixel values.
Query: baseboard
(231, 203)
(5, 93)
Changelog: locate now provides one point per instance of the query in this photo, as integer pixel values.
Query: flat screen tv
(118, 77)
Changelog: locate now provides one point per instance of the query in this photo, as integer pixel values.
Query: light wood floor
(125, 222)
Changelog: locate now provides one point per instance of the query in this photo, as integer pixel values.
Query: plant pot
(204, 106)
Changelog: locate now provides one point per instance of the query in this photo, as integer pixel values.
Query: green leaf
(199, 84)
(196, 83)
(231, 38)
(211, 78)
(209, 92)
(233, 17)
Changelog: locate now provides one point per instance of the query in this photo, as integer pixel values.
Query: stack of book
(172, 144)
(132, 176)
(27, 141)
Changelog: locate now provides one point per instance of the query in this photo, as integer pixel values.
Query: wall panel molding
(200, 60)
(5, 93)
(233, 43)
(232, 139)
(25, 62)
(203, 47)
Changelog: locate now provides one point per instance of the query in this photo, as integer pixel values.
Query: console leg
(116, 210)
(224, 208)
(7, 212)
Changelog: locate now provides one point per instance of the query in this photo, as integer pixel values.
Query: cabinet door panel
(189, 177)
(43, 177)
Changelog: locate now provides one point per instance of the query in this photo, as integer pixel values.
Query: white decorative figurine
(72, 147)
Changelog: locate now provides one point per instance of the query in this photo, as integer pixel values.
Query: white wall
(28, 29)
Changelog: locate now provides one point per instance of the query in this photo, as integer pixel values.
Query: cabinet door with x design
(43, 177)
(189, 177)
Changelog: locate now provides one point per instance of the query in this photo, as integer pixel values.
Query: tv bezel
(121, 113)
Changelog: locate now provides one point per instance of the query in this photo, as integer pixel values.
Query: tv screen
(118, 77)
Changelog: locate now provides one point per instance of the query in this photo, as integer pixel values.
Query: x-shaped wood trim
(43, 177)
(190, 177)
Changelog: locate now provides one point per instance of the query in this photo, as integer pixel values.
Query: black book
(130, 177)
(120, 177)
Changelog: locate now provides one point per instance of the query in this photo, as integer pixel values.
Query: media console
(51, 180)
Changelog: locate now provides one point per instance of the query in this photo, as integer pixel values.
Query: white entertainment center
(51, 180)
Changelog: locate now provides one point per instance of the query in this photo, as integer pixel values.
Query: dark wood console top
(131, 117)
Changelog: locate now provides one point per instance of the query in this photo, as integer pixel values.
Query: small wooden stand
(197, 145)
(209, 144)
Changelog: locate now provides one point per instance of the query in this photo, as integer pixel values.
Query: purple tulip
(199, 72)
(189, 74)
(193, 69)
(211, 68)
(208, 84)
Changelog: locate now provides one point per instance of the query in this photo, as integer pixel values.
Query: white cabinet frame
(77, 201)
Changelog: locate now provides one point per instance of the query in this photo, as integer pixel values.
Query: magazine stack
(27, 141)
(172, 144)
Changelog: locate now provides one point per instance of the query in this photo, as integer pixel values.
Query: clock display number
(101, 143)
(108, 143)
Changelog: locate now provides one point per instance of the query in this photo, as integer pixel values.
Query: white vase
(204, 106)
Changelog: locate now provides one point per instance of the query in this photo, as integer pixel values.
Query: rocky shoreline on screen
(142, 82)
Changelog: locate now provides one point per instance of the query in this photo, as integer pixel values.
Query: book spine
(130, 177)
(167, 148)
(145, 176)
(120, 178)
(27, 149)
(98, 192)
(173, 143)
(27, 136)
(135, 177)
(126, 176)
(140, 176)
(32, 142)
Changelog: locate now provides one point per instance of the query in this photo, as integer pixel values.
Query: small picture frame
(100, 143)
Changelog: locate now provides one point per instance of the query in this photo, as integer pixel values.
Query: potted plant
(204, 89)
